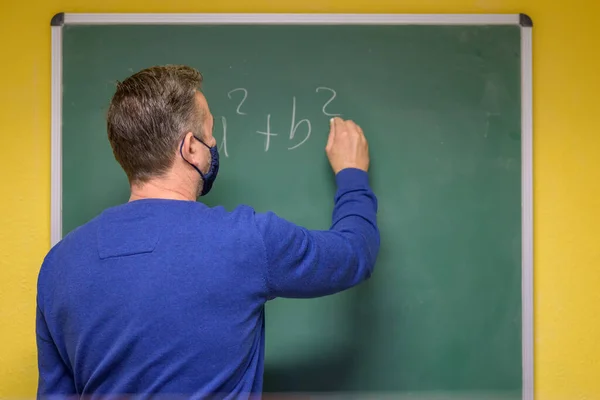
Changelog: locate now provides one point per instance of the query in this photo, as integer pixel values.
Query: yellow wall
(567, 171)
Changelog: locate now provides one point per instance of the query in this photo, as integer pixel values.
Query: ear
(186, 147)
(192, 150)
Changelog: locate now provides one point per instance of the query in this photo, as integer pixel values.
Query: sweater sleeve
(304, 263)
(54, 377)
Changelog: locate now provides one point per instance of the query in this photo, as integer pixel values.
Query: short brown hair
(149, 114)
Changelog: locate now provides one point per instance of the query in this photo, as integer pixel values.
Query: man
(164, 295)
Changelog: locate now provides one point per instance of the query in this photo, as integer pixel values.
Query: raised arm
(308, 263)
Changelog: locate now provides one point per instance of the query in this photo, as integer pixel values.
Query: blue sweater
(167, 297)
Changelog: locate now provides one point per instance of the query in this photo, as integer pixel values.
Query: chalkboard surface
(441, 108)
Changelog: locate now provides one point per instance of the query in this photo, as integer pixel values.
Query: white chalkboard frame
(522, 20)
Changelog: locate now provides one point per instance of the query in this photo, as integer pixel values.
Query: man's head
(152, 120)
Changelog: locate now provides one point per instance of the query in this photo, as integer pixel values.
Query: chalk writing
(295, 126)
(268, 133)
(334, 94)
(237, 110)
(299, 129)
(223, 146)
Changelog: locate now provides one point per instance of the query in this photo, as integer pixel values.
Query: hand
(347, 146)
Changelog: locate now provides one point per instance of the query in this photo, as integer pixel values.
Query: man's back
(167, 297)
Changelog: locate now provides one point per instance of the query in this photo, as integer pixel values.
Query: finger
(363, 138)
(352, 128)
(331, 133)
(339, 125)
(358, 130)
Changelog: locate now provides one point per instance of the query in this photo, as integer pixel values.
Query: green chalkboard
(441, 107)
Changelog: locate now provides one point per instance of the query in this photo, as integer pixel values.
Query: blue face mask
(209, 178)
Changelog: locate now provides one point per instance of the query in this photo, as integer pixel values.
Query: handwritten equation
(300, 130)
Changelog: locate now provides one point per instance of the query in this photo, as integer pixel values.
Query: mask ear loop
(196, 168)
